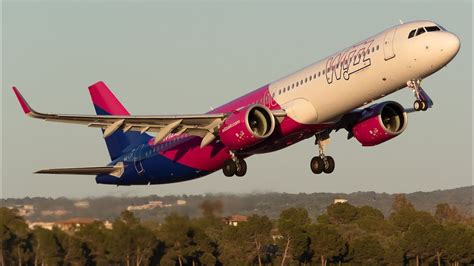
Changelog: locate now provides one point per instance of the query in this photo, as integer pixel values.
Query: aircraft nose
(452, 44)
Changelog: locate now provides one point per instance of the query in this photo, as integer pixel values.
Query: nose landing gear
(322, 163)
(423, 101)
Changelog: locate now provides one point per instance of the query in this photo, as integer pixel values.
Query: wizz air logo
(348, 62)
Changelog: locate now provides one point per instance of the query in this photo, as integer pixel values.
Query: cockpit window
(432, 28)
(420, 31)
(411, 34)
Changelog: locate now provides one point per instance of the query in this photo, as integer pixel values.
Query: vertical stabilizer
(105, 103)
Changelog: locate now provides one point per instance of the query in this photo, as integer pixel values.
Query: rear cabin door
(388, 51)
(137, 160)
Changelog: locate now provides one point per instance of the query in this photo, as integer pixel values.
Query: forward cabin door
(388, 51)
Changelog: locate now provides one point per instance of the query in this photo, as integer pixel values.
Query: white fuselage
(364, 72)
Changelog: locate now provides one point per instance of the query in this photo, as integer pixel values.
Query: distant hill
(270, 204)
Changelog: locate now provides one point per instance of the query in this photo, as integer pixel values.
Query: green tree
(15, 238)
(326, 243)
(129, 241)
(371, 220)
(459, 244)
(291, 224)
(76, 254)
(393, 251)
(94, 237)
(342, 213)
(177, 234)
(437, 240)
(256, 232)
(47, 248)
(400, 202)
(403, 218)
(447, 214)
(417, 242)
(366, 251)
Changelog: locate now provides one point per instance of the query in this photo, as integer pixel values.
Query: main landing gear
(423, 101)
(234, 166)
(322, 163)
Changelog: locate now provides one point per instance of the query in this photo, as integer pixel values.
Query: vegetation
(268, 204)
(344, 234)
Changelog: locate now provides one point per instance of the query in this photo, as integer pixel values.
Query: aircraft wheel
(424, 106)
(418, 105)
(241, 168)
(329, 165)
(229, 168)
(317, 165)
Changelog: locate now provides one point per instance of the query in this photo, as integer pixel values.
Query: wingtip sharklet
(24, 105)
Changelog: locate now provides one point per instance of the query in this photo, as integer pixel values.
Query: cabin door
(137, 160)
(388, 51)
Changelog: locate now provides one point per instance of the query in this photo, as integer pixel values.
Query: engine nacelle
(246, 127)
(380, 122)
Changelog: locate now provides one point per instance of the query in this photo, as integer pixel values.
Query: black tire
(317, 165)
(229, 168)
(242, 169)
(424, 106)
(417, 105)
(329, 167)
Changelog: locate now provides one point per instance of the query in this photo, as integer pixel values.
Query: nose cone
(452, 44)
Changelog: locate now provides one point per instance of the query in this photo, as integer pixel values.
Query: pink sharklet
(22, 101)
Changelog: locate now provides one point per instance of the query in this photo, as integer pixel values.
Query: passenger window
(288, 87)
(279, 92)
(301, 82)
(372, 49)
(297, 83)
(310, 78)
(377, 47)
(411, 34)
(292, 85)
(314, 76)
(323, 71)
(305, 80)
(319, 74)
(420, 31)
(284, 89)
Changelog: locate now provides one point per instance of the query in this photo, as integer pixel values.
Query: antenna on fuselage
(401, 22)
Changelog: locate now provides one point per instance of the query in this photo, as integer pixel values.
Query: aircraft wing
(202, 125)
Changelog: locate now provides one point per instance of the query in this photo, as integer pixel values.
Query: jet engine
(379, 123)
(246, 127)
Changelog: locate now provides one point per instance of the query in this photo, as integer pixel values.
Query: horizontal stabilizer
(116, 170)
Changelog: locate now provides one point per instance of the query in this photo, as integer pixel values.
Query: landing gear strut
(322, 163)
(423, 101)
(235, 166)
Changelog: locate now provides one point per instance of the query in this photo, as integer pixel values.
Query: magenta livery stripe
(103, 98)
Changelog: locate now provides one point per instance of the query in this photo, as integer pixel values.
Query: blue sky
(183, 57)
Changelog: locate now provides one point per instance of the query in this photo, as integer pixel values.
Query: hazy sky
(183, 57)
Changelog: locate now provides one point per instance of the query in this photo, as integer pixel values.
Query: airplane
(329, 95)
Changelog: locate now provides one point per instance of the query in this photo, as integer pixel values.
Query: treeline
(343, 234)
(269, 204)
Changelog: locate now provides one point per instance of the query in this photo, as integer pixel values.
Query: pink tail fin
(104, 100)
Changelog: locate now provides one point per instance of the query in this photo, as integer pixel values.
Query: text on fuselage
(348, 62)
